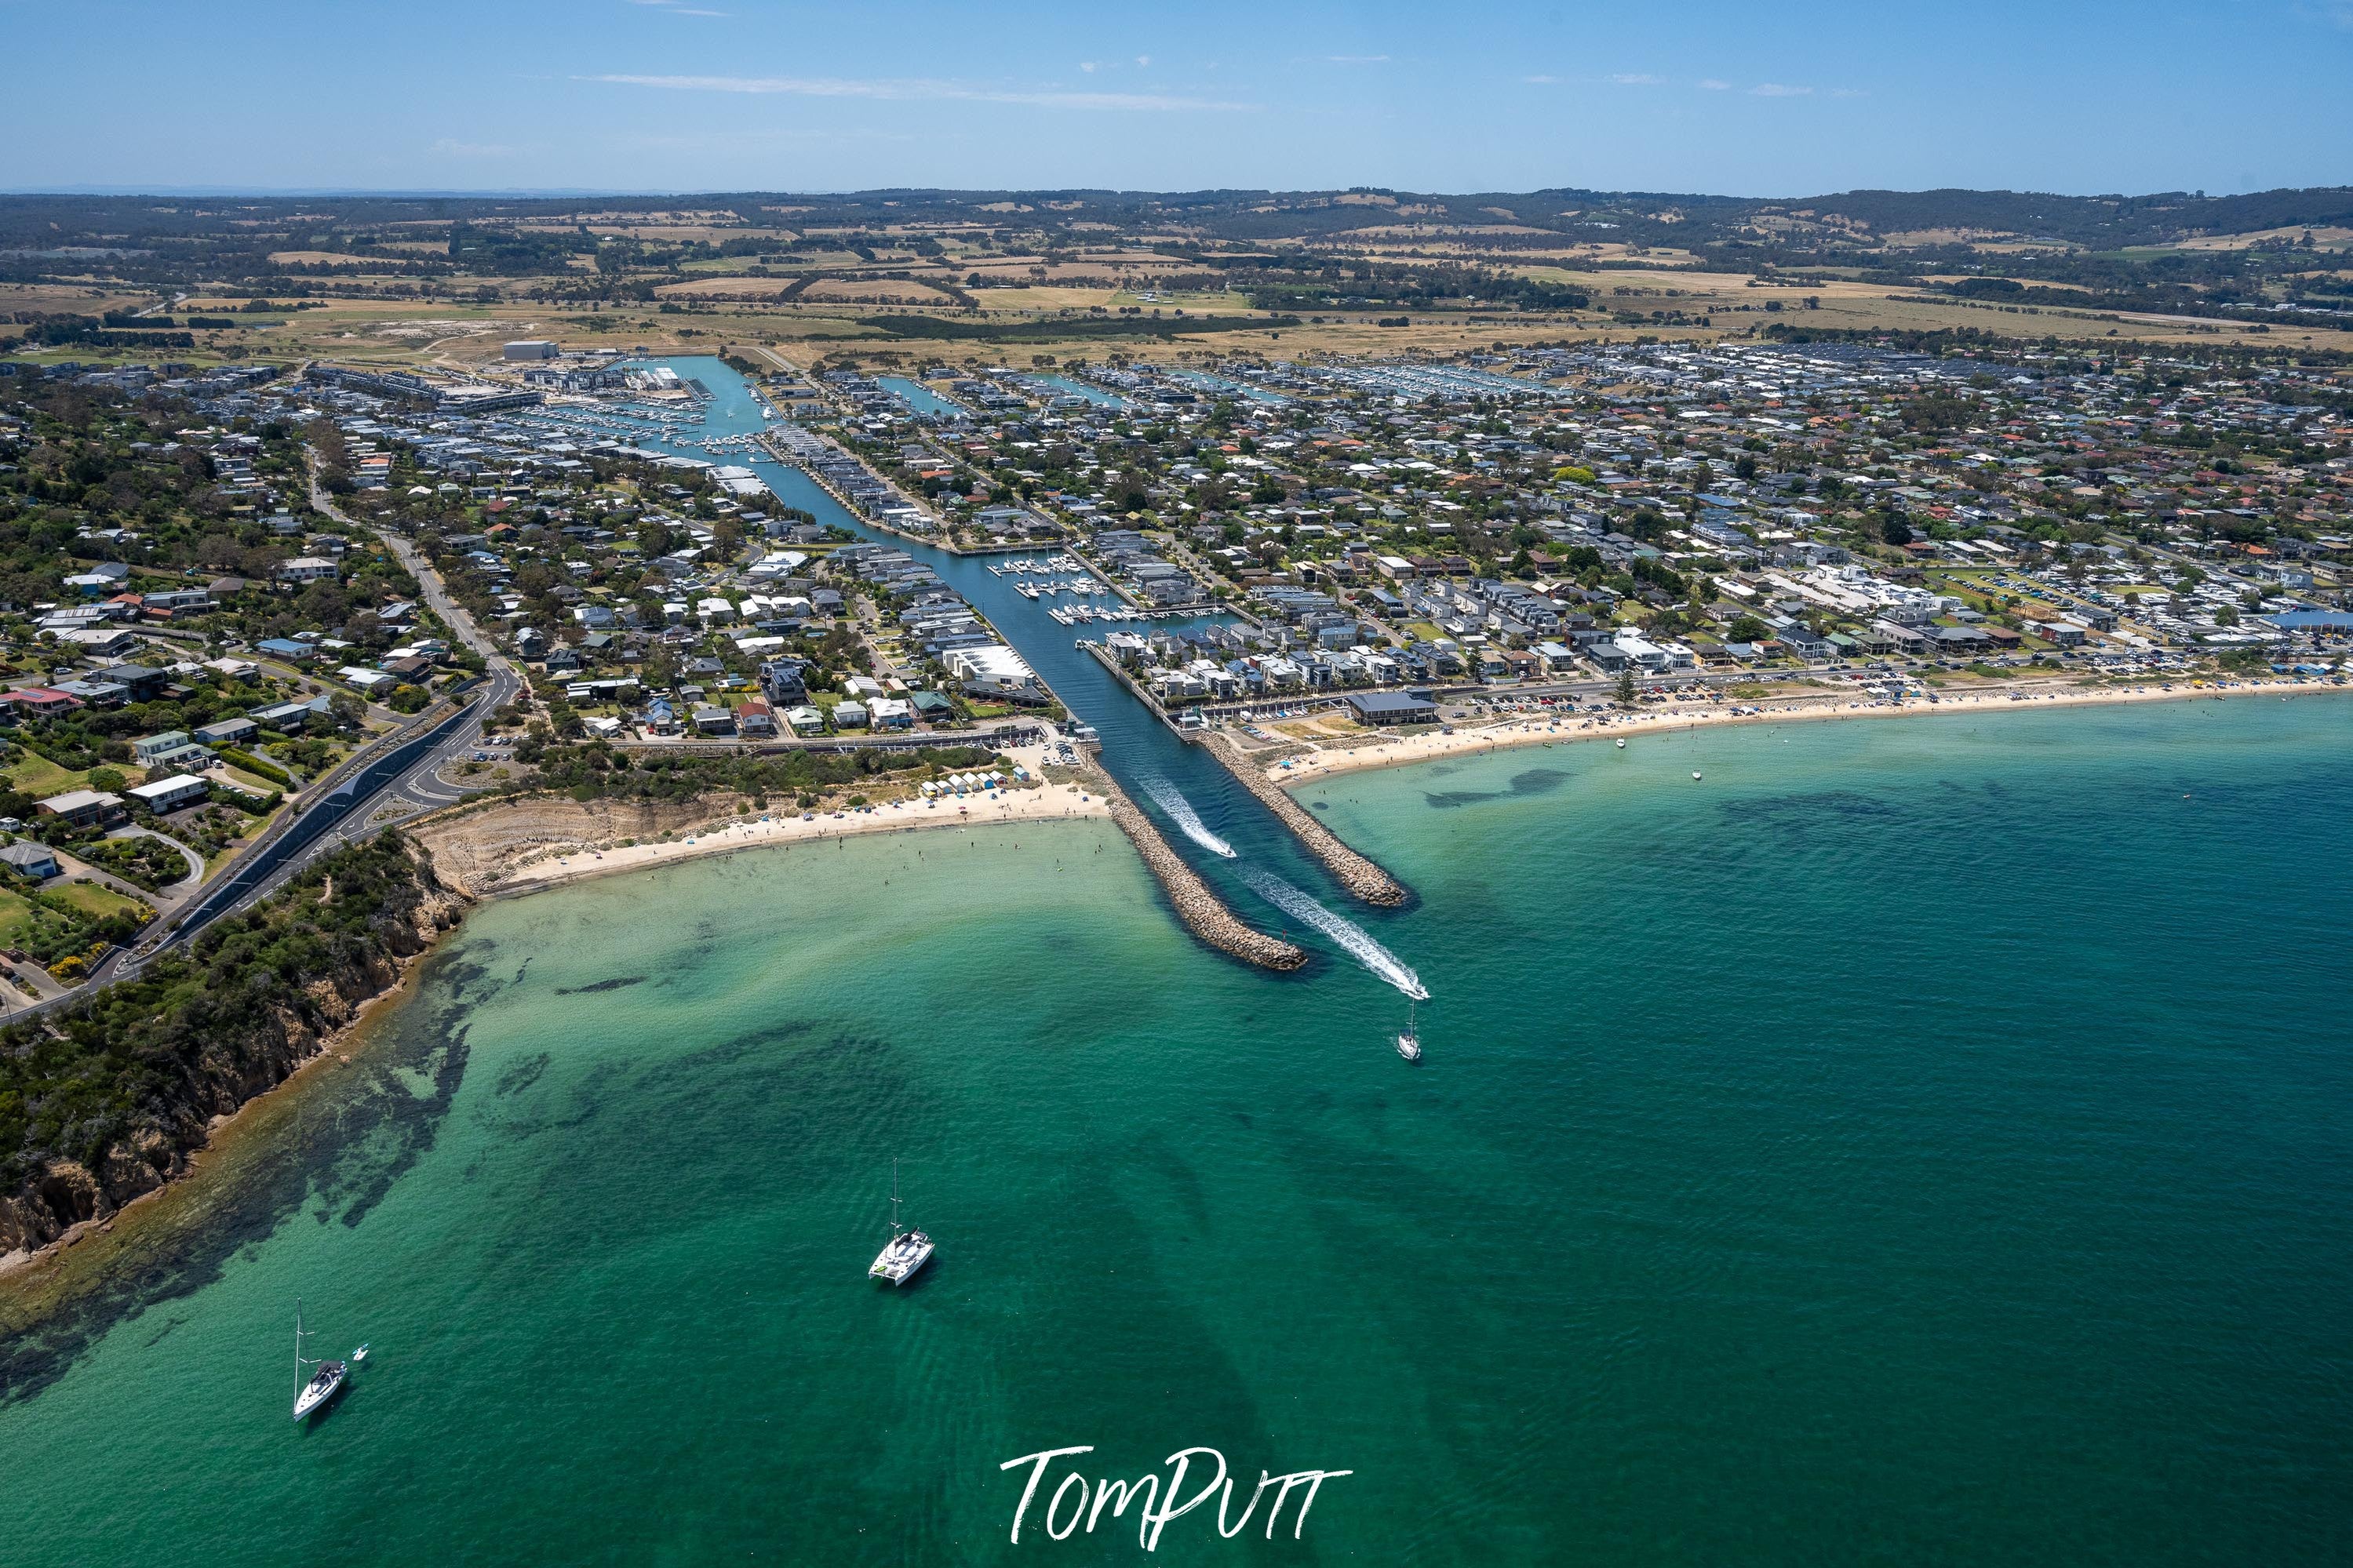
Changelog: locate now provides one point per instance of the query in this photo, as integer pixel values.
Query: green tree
(1626, 687)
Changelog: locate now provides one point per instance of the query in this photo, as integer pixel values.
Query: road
(374, 800)
(422, 788)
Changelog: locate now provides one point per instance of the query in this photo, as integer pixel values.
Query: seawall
(1357, 874)
(1203, 912)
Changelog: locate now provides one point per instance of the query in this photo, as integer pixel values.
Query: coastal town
(882, 786)
(553, 607)
(222, 595)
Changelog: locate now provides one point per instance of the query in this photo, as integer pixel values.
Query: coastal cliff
(1355, 872)
(102, 1105)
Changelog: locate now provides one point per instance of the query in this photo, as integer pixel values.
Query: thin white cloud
(449, 148)
(1088, 65)
(1358, 60)
(1638, 78)
(1143, 59)
(1849, 92)
(740, 140)
(920, 89)
(1776, 89)
(1542, 80)
(1712, 85)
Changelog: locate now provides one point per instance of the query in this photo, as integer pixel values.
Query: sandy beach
(1552, 730)
(1043, 801)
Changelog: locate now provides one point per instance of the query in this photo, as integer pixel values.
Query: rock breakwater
(1358, 875)
(1203, 912)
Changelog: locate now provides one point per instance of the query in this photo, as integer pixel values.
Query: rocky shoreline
(1203, 912)
(1362, 879)
(64, 1197)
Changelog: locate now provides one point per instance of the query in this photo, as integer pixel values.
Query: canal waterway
(1219, 828)
(1077, 388)
(1208, 383)
(922, 399)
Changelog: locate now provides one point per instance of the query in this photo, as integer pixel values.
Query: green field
(15, 918)
(36, 775)
(94, 901)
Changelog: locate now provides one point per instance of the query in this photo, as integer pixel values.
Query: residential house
(84, 807)
(37, 861)
(228, 732)
(171, 794)
(171, 748)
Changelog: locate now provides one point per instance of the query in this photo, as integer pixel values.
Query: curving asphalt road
(360, 798)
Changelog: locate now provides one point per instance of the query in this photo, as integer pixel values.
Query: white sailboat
(907, 1251)
(1408, 1042)
(321, 1385)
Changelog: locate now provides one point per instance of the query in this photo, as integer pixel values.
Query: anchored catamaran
(322, 1385)
(908, 1252)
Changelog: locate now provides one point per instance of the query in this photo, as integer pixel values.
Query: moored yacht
(1409, 1040)
(907, 1251)
(322, 1385)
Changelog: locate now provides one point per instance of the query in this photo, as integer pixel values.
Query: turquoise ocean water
(1922, 1140)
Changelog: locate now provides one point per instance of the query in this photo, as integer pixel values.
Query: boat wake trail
(1180, 811)
(1358, 943)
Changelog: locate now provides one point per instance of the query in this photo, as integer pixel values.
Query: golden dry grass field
(1654, 292)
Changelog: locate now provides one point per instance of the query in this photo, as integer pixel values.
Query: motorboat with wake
(907, 1251)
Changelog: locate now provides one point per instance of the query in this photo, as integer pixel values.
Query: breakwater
(1203, 912)
(1358, 875)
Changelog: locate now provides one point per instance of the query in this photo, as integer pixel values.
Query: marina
(1278, 852)
(922, 400)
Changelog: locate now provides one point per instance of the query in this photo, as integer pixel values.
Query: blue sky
(1804, 97)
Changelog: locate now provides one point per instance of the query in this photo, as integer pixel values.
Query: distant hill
(2105, 222)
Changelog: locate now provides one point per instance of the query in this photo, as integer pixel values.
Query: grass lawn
(92, 899)
(253, 782)
(15, 918)
(36, 775)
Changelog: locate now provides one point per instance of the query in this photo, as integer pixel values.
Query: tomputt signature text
(1077, 1501)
